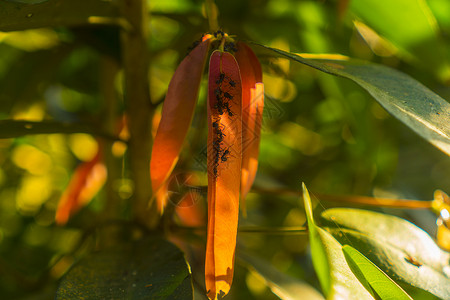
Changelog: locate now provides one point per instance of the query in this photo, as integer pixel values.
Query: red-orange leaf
(177, 115)
(252, 103)
(224, 170)
(86, 181)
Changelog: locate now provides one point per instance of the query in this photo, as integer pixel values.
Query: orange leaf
(177, 115)
(224, 170)
(86, 181)
(252, 102)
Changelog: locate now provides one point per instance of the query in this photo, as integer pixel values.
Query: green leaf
(403, 251)
(20, 16)
(335, 276)
(372, 277)
(405, 98)
(149, 269)
(282, 285)
(13, 128)
(416, 33)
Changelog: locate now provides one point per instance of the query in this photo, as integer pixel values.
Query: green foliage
(148, 269)
(372, 277)
(62, 96)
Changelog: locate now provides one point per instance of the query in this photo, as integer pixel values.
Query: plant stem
(211, 13)
(136, 61)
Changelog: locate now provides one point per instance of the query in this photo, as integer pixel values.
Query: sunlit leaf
(282, 285)
(252, 109)
(19, 16)
(408, 100)
(416, 33)
(372, 277)
(403, 251)
(149, 269)
(224, 170)
(335, 276)
(177, 113)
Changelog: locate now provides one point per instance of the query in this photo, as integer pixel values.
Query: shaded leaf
(399, 248)
(224, 170)
(335, 276)
(282, 285)
(148, 269)
(416, 32)
(20, 16)
(177, 113)
(372, 277)
(17, 128)
(408, 100)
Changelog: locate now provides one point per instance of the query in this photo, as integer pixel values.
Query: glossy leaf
(282, 285)
(335, 276)
(177, 113)
(20, 16)
(148, 269)
(87, 179)
(408, 100)
(372, 277)
(403, 251)
(416, 33)
(224, 171)
(252, 109)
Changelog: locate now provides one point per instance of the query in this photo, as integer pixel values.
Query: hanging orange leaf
(85, 183)
(176, 116)
(224, 170)
(253, 104)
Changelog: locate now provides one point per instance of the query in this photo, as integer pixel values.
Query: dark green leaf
(372, 277)
(149, 269)
(411, 102)
(20, 16)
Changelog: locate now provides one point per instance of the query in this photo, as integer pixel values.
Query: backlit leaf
(177, 113)
(372, 277)
(224, 171)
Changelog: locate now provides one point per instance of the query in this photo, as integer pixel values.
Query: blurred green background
(318, 129)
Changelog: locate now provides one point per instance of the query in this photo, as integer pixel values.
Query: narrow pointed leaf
(372, 277)
(224, 171)
(405, 98)
(85, 183)
(252, 108)
(177, 113)
(335, 276)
